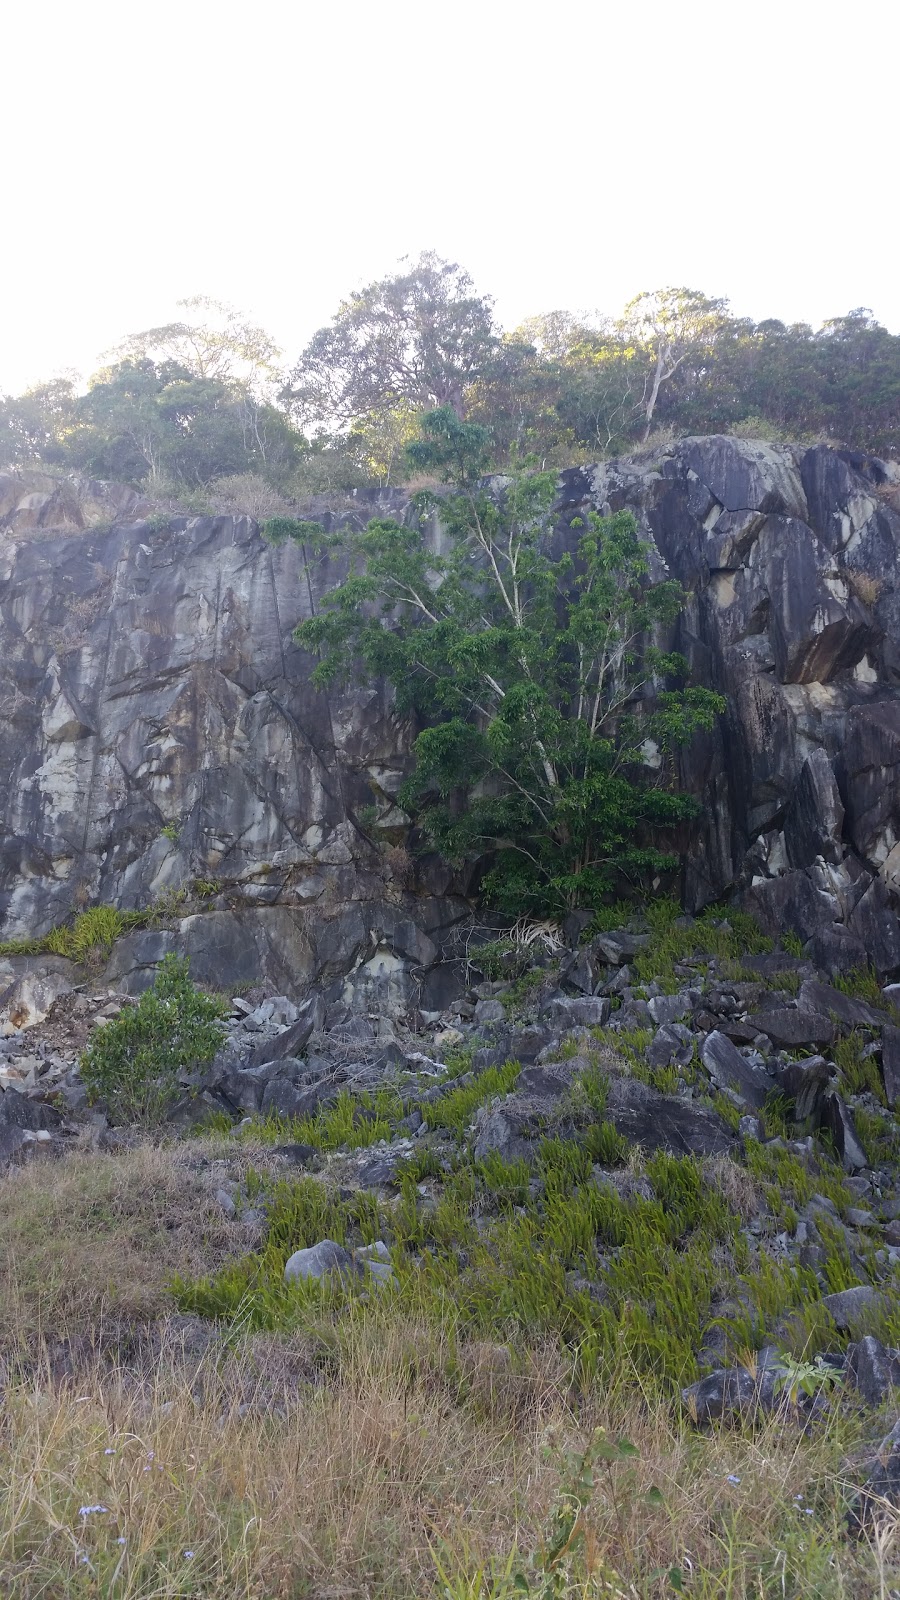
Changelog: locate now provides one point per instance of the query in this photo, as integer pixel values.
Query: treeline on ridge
(205, 409)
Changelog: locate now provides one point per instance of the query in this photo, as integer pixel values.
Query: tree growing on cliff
(550, 720)
(415, 339)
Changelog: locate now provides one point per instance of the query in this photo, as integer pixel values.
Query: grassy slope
(360, 1455)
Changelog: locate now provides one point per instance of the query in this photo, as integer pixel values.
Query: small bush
(134, 1061)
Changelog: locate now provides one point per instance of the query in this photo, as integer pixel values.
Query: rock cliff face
(790, 558)
(159, 729)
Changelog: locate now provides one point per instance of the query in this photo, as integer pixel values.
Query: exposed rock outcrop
(159, 727)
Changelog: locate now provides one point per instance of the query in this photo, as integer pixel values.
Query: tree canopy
(549, 717)
(201, 405)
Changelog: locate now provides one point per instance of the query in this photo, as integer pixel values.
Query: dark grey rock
(319, 1260)
(890, 1064)
(569, 1012)
(728, 1392)
(837, 1118)
(807, 1083)
(880, 1490)
(730, 1070)
(502, 1133)
(673, 1045)
(854, 1308)
(20, 1111)
(300, 1155)
(489, 1011)
(285, 1098)
(826, 1001)
(662, 1122)
(872, 1369)
(874, 922)
(670, 1007)
(792, 1030)
(815, 816)
(619, 946)
(295, 1038)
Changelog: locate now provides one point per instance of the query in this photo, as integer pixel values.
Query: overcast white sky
(276, 155)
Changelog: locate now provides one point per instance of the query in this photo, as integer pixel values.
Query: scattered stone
(489, 1011)
(853, 1308)
(730, 1070)
(666, 1008)
(890, 1064)
(319, 1260)
(576, 1013)
(872, 1369)
(794, 1029)
(673, 1045)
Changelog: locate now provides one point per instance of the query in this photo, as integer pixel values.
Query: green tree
(35, 426)
(661, 330)
(134, 1063)
(551, 719)
(417, 338)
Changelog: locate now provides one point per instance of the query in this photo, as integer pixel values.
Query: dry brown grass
(359, 1459)
(359, 1483)
(97, 1233)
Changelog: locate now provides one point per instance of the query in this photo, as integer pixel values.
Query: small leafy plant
(134, 1062)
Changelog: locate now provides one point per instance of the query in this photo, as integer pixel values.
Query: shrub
(133, 1063)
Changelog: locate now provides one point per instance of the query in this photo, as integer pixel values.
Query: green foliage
(860, 1073)
(508, 1181)
(674, 939)
(861, 983)
(171, 831)
(540, 694)
(134, 1062)
(502, 958)
(792, 944)
(352, 1122)
(878, 1136)
(455, 1109)
(805, 1377)
(96, 930)
(605, 1145)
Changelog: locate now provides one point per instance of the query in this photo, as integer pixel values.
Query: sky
(277, 155)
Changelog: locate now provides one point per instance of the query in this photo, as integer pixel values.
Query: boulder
(727, 1392)
(731, 1071)
(663, 1122)
(823, 1000)
(890, 1064)
(837, 1119)
(872, 1369)
(791, 904)
(320, 1261)
(673, 1045)
(854, 1308)
(617, 947)
(874, 922)
(575, 1013)
(808, 1083)
(815, 816)
(670, 1007)
(794, 1029)
(501, 1132)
